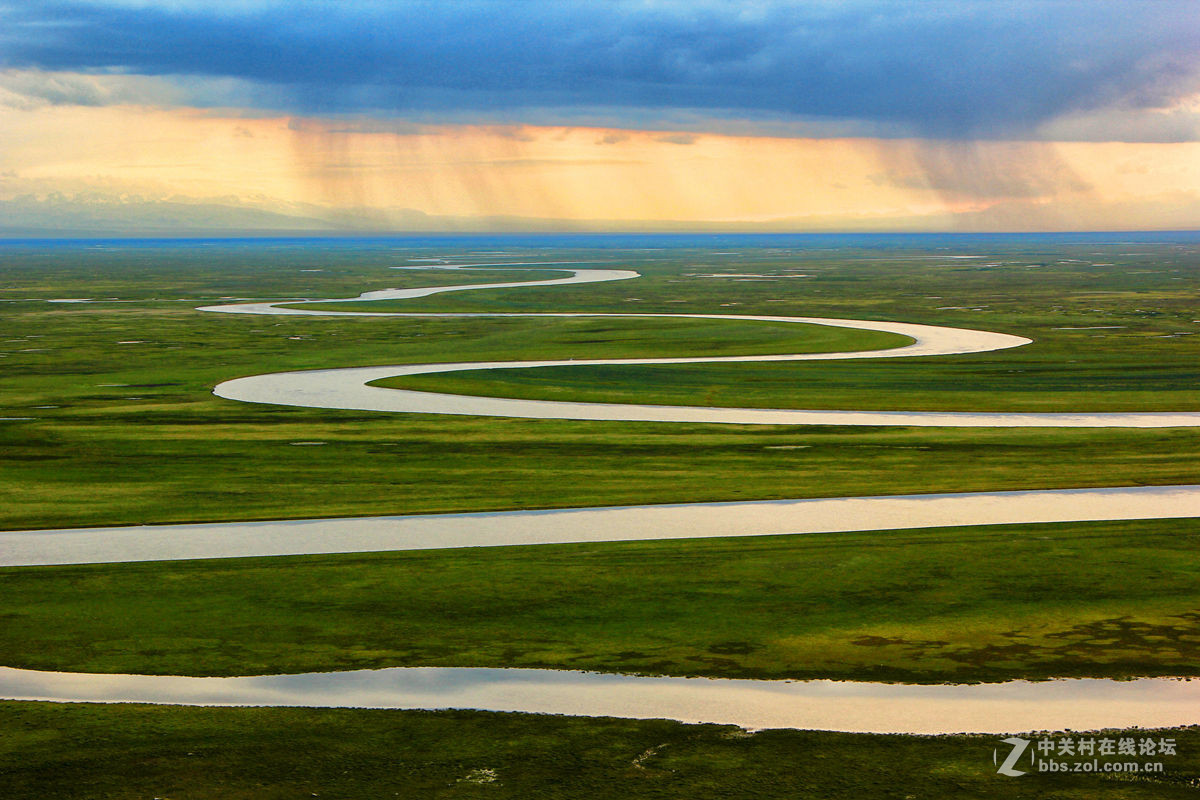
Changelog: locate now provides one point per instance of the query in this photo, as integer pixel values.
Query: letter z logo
(1018, 750)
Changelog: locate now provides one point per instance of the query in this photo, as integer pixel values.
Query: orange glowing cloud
(374, 171)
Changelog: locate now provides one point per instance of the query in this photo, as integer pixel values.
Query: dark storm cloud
(959, 69)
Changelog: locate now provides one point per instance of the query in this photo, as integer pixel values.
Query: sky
(971, 115)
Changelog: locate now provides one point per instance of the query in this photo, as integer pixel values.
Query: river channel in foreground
(1011, 707)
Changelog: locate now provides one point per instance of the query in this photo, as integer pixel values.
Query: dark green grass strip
(128, 752)
(1032, 380)
(212, 460)
(1115, 599)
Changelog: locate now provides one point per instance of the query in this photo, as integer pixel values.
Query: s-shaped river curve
(869, 707)
(348, 389)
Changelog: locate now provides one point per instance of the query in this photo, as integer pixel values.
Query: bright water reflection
(1012, 707)
(578, 525)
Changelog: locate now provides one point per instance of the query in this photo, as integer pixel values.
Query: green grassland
(125, 752)
(124, 428)
(145, 465)
(1119, 337)
(1111, 599)
(1072, 377)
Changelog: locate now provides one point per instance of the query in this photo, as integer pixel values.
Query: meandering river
(828, 705)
